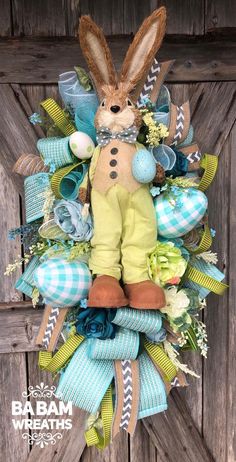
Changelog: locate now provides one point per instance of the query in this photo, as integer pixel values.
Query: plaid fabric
(206, 268)
(62, 283)
(55, 151)
(35, 186)
(152, 389)
(85, 381)
(125, 345)
(148, 321)
(25, 283)
(175, 220)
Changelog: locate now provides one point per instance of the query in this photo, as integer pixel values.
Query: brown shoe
(106, 292)
(145, 295)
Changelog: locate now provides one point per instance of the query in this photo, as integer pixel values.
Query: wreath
(119, 360)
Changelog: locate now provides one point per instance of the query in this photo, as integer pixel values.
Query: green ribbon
(58, 116)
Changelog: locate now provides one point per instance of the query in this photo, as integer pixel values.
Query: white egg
(81, 145)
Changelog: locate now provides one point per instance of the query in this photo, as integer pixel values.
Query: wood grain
(5, 18)
(41, 60)
(44, 18)
(215, 399)
(13, 381)
(184, 442)
(231, 318)
(142, 447)
(220, 14)
(18, 330)
(117, 451)
(16, 134)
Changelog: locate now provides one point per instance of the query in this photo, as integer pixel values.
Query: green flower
(166, 264)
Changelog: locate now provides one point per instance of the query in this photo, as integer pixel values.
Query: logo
(41, 418)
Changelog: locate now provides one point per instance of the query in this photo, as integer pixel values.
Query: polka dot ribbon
(105, 135)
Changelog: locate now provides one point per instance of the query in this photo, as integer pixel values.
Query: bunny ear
(96, 53)
(144, 47)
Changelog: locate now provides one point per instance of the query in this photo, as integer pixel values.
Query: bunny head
(118, 94)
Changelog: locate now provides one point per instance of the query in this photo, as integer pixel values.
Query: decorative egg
(143, 166)
(180, 213)
(63, 283)
(81, 145)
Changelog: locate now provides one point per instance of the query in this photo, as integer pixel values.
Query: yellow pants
(125, 232)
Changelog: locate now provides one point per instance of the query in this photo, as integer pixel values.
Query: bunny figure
(125, 228)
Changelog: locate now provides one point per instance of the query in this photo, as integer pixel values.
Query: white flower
(176, 302)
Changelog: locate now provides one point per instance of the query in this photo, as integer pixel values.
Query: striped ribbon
(58, 176)
(205, 281)
(55, 363)
(210, 164)
(93, 436)
(160, 358)
(204, 244)
(58, 116)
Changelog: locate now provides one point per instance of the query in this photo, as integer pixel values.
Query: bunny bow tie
(128, 135)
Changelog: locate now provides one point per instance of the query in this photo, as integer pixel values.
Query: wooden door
(199, 424)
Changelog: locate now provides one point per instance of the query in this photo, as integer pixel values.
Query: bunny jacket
(125, 228)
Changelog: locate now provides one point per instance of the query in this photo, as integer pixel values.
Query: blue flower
(83, 303)
(68, 216)
(213, 232)
(155, 191)
(96, 323)
(158, 337)
(35, 118)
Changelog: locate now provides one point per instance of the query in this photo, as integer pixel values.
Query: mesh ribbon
(93, 436)
(55, 363)
(58, 116)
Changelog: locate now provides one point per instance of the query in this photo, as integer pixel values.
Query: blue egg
(143, 166)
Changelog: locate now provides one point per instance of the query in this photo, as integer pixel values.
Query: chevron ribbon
(128, 388)
(179, 125)
(149, 83)
(52, 320)
(194, 157)
(127, 396)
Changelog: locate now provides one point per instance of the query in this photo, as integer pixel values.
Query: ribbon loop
(209, 163)
(205, 281)
(92, 436)
(58, 116)
(161, 360)
(55, 363)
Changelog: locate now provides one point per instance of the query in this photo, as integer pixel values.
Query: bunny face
(117, 110)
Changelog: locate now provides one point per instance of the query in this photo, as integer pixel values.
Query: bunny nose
(115, 108)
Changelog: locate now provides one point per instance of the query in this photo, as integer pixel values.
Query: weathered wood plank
(220, 14)
(15, 305)
(13, 381)
(16, 134)
(175, 435)
(44, 18)
(186, 19)
(231, 361)
(142, 447)
(215, 398)
(10, 218)
(30, 102)
(117, 451)
(41, 60)
(19, 329)
(213, 113)
(70, 447)
(5, 18)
